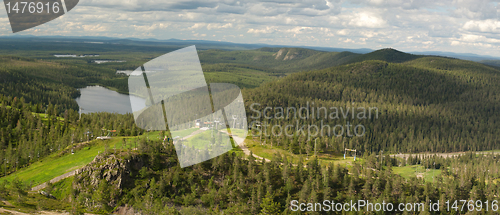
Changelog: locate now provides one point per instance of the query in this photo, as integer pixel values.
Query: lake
(100, 99)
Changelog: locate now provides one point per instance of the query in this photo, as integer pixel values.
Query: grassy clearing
(201, 140)
(57, 164)
(180, 133)
(414, 170)
(198, 141)
(183, 133)
(238, 132)
(268, 152)
(62, 189)
(34, 203)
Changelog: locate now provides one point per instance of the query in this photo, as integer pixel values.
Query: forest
(430, 104)
(151, 182)
(427, 105)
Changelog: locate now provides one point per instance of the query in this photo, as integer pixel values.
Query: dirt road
(444, 155)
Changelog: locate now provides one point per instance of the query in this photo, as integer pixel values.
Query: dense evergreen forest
(43, 82)
(424, 104)
(430, 104)
(151, 182)
(29, 132)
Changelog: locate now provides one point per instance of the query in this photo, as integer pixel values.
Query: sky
(462, 26)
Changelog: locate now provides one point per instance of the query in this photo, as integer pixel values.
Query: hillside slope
(286, 60)
(290, 60)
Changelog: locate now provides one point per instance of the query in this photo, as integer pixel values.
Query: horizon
(362, 50)
(427, 26)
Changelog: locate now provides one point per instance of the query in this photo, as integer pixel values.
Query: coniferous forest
(432, 137)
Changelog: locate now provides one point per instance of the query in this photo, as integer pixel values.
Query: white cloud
(447, 25)
(197, 26)
(471, 38)
(367, 19)
(219, 26)
(488, 26)
(266, 30)
(148, 28)
(95, 27)
(476, 9)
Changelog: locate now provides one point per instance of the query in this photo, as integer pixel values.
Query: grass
(201, 140)
(57, 164)
(268, 152)
(34, 203)
(62, 189)
(238, 132)
(411, 171)
(181, 133)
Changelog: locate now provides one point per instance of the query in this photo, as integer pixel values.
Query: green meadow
(414, 170)
(58, 163)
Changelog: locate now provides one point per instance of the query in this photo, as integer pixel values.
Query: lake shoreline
(97, 98)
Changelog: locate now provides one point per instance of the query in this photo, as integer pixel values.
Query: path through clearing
(444, 155)
(54, 180)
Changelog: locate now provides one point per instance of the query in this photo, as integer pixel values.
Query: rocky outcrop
(288, 54)
(125, 210)
(109, 169)
(279, 53)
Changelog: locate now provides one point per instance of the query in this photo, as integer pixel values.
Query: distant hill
(207, 44)
(495, 63)
(286, 60)
(388, 55)
(462, 56)
(290, 60)
(156, 44)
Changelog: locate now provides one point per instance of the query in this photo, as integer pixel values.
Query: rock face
(279, 53)
(125, 210)
(114, 172)
(288, 54)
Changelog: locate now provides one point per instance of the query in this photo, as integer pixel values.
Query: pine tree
(269, 207)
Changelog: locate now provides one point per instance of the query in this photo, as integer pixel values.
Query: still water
(100, 99)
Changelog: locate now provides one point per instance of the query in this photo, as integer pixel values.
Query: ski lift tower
(234, 120)
(351, 150)
(216, 121)
(80, 113)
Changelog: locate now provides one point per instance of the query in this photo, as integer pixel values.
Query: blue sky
(471, 26)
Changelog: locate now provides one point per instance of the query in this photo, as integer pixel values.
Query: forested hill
(289, 60)
(429, 104)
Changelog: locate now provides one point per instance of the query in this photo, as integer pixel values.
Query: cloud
(367, 19)
(150, 5)
(471, 38)
(476, 9)
(95, 27)
(409, 25)
(148, 28)
(223, 8)
(266, 30)
(219, 26)
(487, 26)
